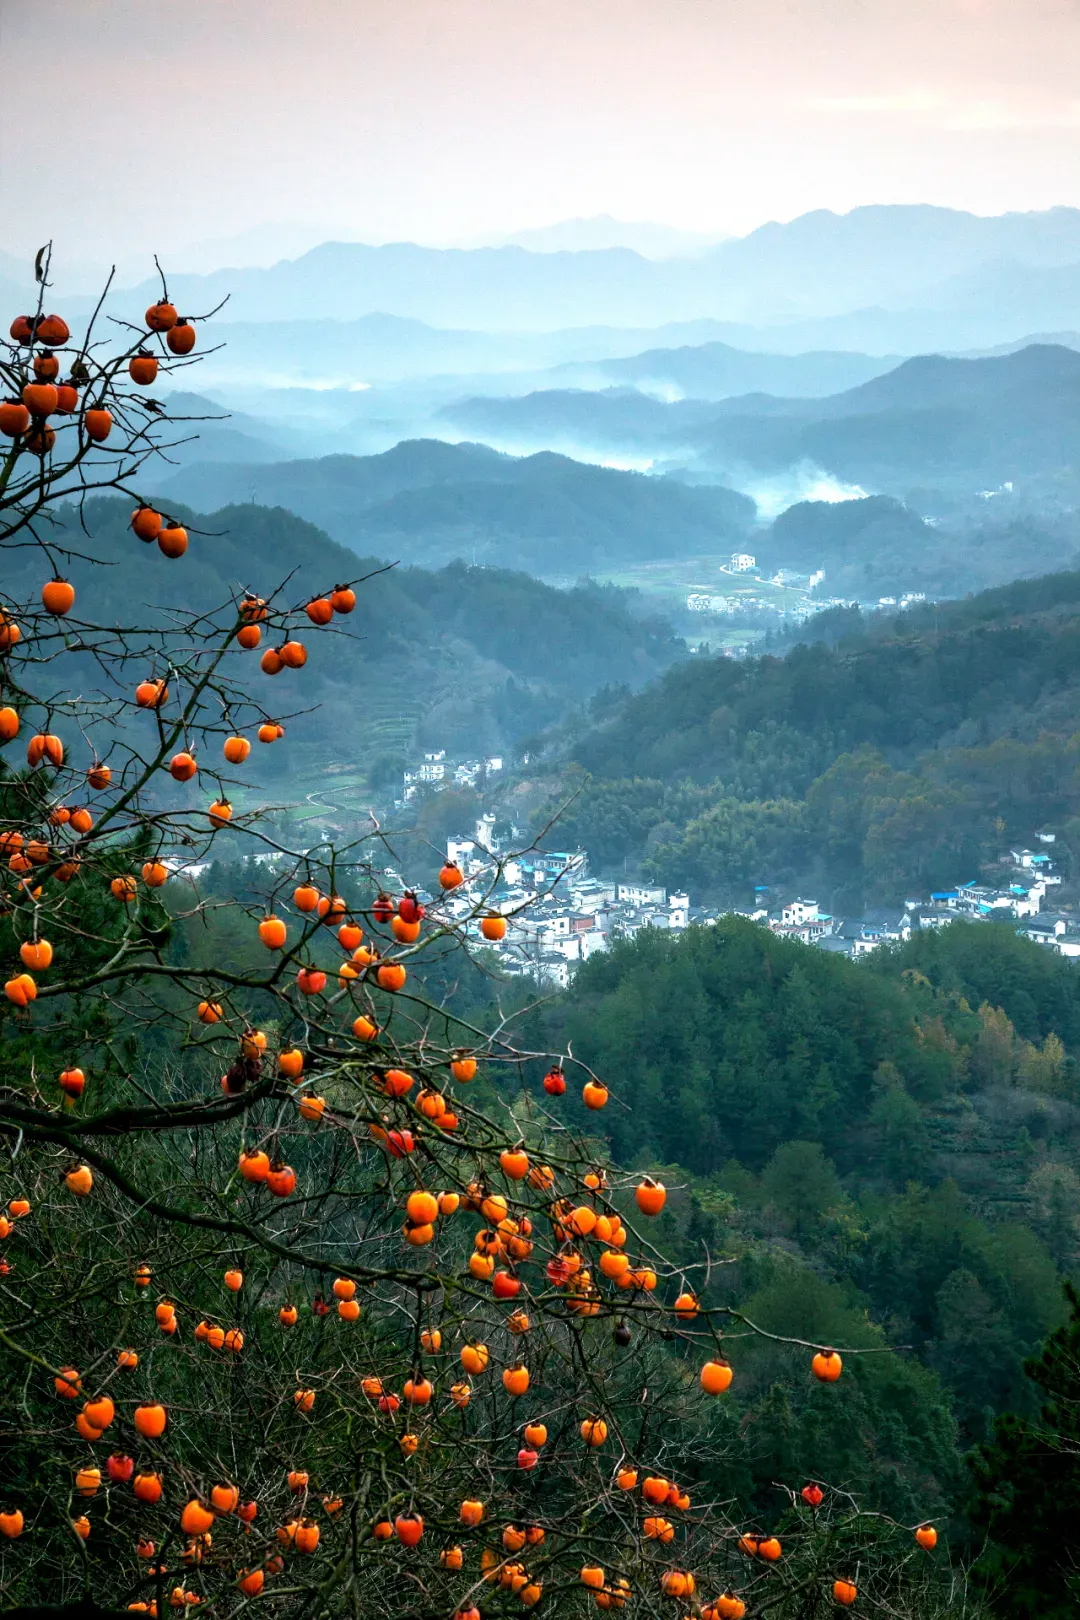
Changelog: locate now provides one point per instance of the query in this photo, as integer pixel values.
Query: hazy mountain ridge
(652, 241)
(958, 425)
(716, 370)
(427, 501)
(689, 357)
(821, 265)
(463, 657)
(579, 420)
(935, 434)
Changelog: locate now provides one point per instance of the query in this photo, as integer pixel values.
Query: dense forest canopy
(466, 658)
(880, 759)
(896, 1139)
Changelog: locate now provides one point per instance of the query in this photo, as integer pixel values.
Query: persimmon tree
(302, 1300)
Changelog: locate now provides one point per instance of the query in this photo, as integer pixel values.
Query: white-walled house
(461, 852)
(679, 911)
(799, 912)
(591, 892)
(641, 894)
(485, 833)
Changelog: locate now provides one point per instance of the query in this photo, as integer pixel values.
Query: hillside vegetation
(876, 546)
(889, 1142)
(893, 761)
(429, 502)
(466, 658)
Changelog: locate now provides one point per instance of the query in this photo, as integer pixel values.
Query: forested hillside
(878, 546)
(466, 658)
(248, 1135)
(429, 502)
(893, 757)
(891, 1146)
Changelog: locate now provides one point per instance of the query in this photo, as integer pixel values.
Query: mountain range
(985, 279)
(970, 462)
(941, 424)
(602, 231)
(375, 350)
(715, 370)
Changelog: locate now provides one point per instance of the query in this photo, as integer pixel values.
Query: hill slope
(718, 371)
(899, 759)
(948, 425)
(607, 421)
(852, 1129)
(426, 501)
(465, 658)
(954, 425)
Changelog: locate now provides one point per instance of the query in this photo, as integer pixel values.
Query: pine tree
(1027, 1484)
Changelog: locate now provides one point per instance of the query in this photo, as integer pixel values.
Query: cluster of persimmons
(304, 1300)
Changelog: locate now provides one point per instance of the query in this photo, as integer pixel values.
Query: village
(559, 914)
(781, 596)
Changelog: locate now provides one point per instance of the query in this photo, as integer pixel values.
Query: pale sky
(131, 123)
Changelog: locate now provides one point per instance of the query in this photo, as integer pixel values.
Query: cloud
(803, 482)
(963, 109)
(1000, 116)
(911, 101)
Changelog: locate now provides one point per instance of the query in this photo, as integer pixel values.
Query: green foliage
(1027, 1489)
(466, 658)
(882, 760)
(854, 1138)
(731, 1041)
(1039, 990)
(886, 1424)
(801, 1185)
(897, 1122)
(432, 502)
(732, 843)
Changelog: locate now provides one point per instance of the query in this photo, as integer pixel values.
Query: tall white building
(799, 912)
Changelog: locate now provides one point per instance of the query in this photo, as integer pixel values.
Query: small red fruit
(504, 1285)
(555, 1082)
